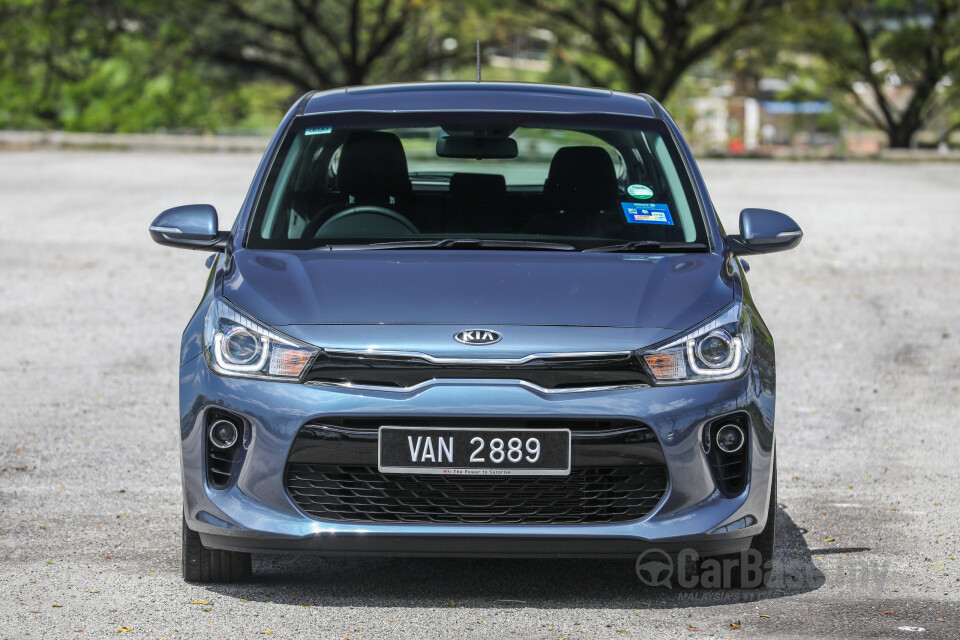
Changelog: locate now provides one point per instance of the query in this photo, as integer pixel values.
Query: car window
(535, 149)
(672, 177)
(582, 181)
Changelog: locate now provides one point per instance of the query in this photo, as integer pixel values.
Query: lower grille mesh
(363, 494)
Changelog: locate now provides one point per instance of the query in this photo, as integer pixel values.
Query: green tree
(136, 65)
(646, 45)
(315, 44)
(896, 60)
(45, 45)
(104, 65)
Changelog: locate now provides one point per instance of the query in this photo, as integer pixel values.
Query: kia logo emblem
(477, 337)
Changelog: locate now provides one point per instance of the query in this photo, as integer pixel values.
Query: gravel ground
(864, 314)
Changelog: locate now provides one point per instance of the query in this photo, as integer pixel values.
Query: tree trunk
(658, 84)
(901, 134)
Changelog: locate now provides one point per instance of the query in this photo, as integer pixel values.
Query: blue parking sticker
(647, 212)
(317, 131)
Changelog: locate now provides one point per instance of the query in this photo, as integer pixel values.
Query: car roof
(481, 96)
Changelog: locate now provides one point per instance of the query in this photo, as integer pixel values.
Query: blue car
(476, 319)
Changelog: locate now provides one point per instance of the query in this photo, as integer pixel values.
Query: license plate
(440, 450)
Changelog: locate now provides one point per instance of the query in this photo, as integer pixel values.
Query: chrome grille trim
(472, 382)
(469, 361)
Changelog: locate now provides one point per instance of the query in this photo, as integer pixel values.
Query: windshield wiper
(455, 243)
(650, 246)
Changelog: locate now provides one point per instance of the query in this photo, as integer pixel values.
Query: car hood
(477, 288)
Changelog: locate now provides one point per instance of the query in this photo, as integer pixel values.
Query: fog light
(223, 434)
(730, 438)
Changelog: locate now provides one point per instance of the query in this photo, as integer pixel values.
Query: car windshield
(481, 180)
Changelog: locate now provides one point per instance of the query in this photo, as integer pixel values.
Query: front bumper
(255, 513)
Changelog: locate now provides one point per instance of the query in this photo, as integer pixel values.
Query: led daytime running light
(706, 371)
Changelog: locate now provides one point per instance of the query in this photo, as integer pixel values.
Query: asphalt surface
(865, 315)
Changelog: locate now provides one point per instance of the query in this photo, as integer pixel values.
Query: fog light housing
(706, 441)
(730, 438)
(223, 434)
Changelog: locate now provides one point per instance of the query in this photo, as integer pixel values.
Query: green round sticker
(640, 191)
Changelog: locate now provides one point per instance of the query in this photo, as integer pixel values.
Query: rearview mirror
(192, 226)
(764, 231)
(476, 147)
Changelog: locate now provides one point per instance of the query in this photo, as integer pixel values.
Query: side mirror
(764, 231)
(193, 226)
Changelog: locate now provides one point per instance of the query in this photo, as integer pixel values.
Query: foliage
(318, 44)
(896, 61)
(236, 65)
(99, 67)
(646, 45)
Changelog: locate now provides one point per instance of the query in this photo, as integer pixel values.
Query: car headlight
(719, 349)
(236, 345)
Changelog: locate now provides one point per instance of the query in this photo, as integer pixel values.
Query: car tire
(692, 572)
(200, 564)
(764, 542)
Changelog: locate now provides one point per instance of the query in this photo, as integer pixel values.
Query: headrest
(581, 178)
(372, 164)
(485, 187)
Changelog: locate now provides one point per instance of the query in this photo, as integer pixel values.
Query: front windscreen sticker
(647, 212)
(640, 191)
(315, 131)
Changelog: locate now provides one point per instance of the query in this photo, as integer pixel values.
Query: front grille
(587, 495)
(406, 371)
(370, 425)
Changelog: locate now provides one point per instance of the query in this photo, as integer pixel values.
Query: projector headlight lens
(715, 349)
(240, 346)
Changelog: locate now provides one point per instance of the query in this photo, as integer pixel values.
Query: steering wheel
(360, 220)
